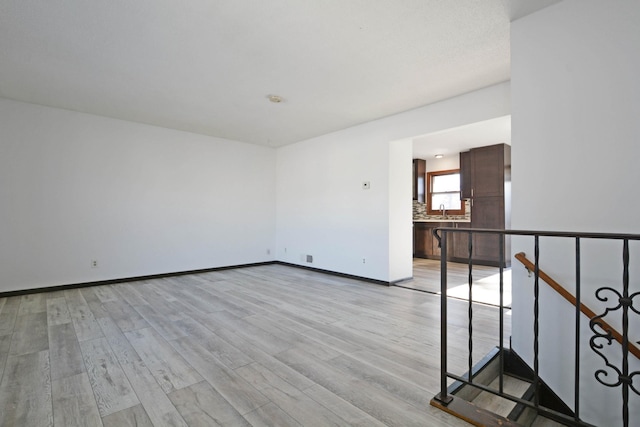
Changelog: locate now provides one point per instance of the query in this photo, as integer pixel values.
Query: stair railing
(530, 266)
(602, 331)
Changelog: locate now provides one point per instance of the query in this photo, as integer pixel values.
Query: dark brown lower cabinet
(419, 241)
(425, 245)
(487, 213)
(460, 241)
(485, 247)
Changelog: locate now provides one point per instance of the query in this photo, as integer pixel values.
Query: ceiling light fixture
(275, 99)
(439, 156)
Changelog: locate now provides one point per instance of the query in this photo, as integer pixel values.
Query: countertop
(466, 221)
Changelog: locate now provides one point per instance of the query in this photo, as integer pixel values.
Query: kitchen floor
(486, 281)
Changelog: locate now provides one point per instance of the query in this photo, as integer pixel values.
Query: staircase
(501, 390)
(484, 408)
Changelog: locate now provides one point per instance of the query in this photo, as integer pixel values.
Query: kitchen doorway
(439, 152)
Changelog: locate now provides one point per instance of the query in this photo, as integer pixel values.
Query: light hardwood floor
(267, 345)
(486, 281)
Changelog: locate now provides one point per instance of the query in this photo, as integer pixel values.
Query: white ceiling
(206, 66)
(450, 142)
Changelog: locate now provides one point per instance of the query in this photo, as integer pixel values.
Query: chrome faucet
(444, 211)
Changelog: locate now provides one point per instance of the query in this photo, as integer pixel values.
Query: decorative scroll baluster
(600, 332)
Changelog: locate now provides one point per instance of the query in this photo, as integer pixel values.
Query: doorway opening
(449, 150)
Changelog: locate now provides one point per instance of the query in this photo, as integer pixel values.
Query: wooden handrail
(583, 308)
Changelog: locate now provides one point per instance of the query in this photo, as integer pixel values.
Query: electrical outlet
(268, 251)
(364, 260)
(94, 263)
(310, 258)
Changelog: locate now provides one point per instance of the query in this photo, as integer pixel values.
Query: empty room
(209, 213)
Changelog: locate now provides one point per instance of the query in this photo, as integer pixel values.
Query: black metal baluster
(577, 354)
(603, 334)
(501, 314)
(626, 303)
(536, 312)
(443, 397)
(470, 310)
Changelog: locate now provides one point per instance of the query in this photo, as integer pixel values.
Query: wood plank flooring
(260, 346)
(486, 281)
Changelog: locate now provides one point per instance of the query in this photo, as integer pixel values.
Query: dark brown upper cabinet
(419, 176)
(484, 171)
(485, 178)
(465, 175)
(488, 170)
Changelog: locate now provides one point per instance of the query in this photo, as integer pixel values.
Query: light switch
(366, 185)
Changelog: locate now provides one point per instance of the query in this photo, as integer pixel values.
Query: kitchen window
(443, 190)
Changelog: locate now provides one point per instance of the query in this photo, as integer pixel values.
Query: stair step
(498, 405)
(472, 414)
(541, 421)
(483, 373)
(482, 408)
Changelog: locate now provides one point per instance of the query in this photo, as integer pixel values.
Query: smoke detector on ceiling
(275, 99)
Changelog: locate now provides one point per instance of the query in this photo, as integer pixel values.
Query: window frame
(430, 210)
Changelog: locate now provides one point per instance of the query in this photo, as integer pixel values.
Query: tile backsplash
(420, 213)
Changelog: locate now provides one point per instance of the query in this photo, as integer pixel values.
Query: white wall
(139, 199)
(400, 230)
(145, 200)
(322, 209)
(451, 161)
(576, 104)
